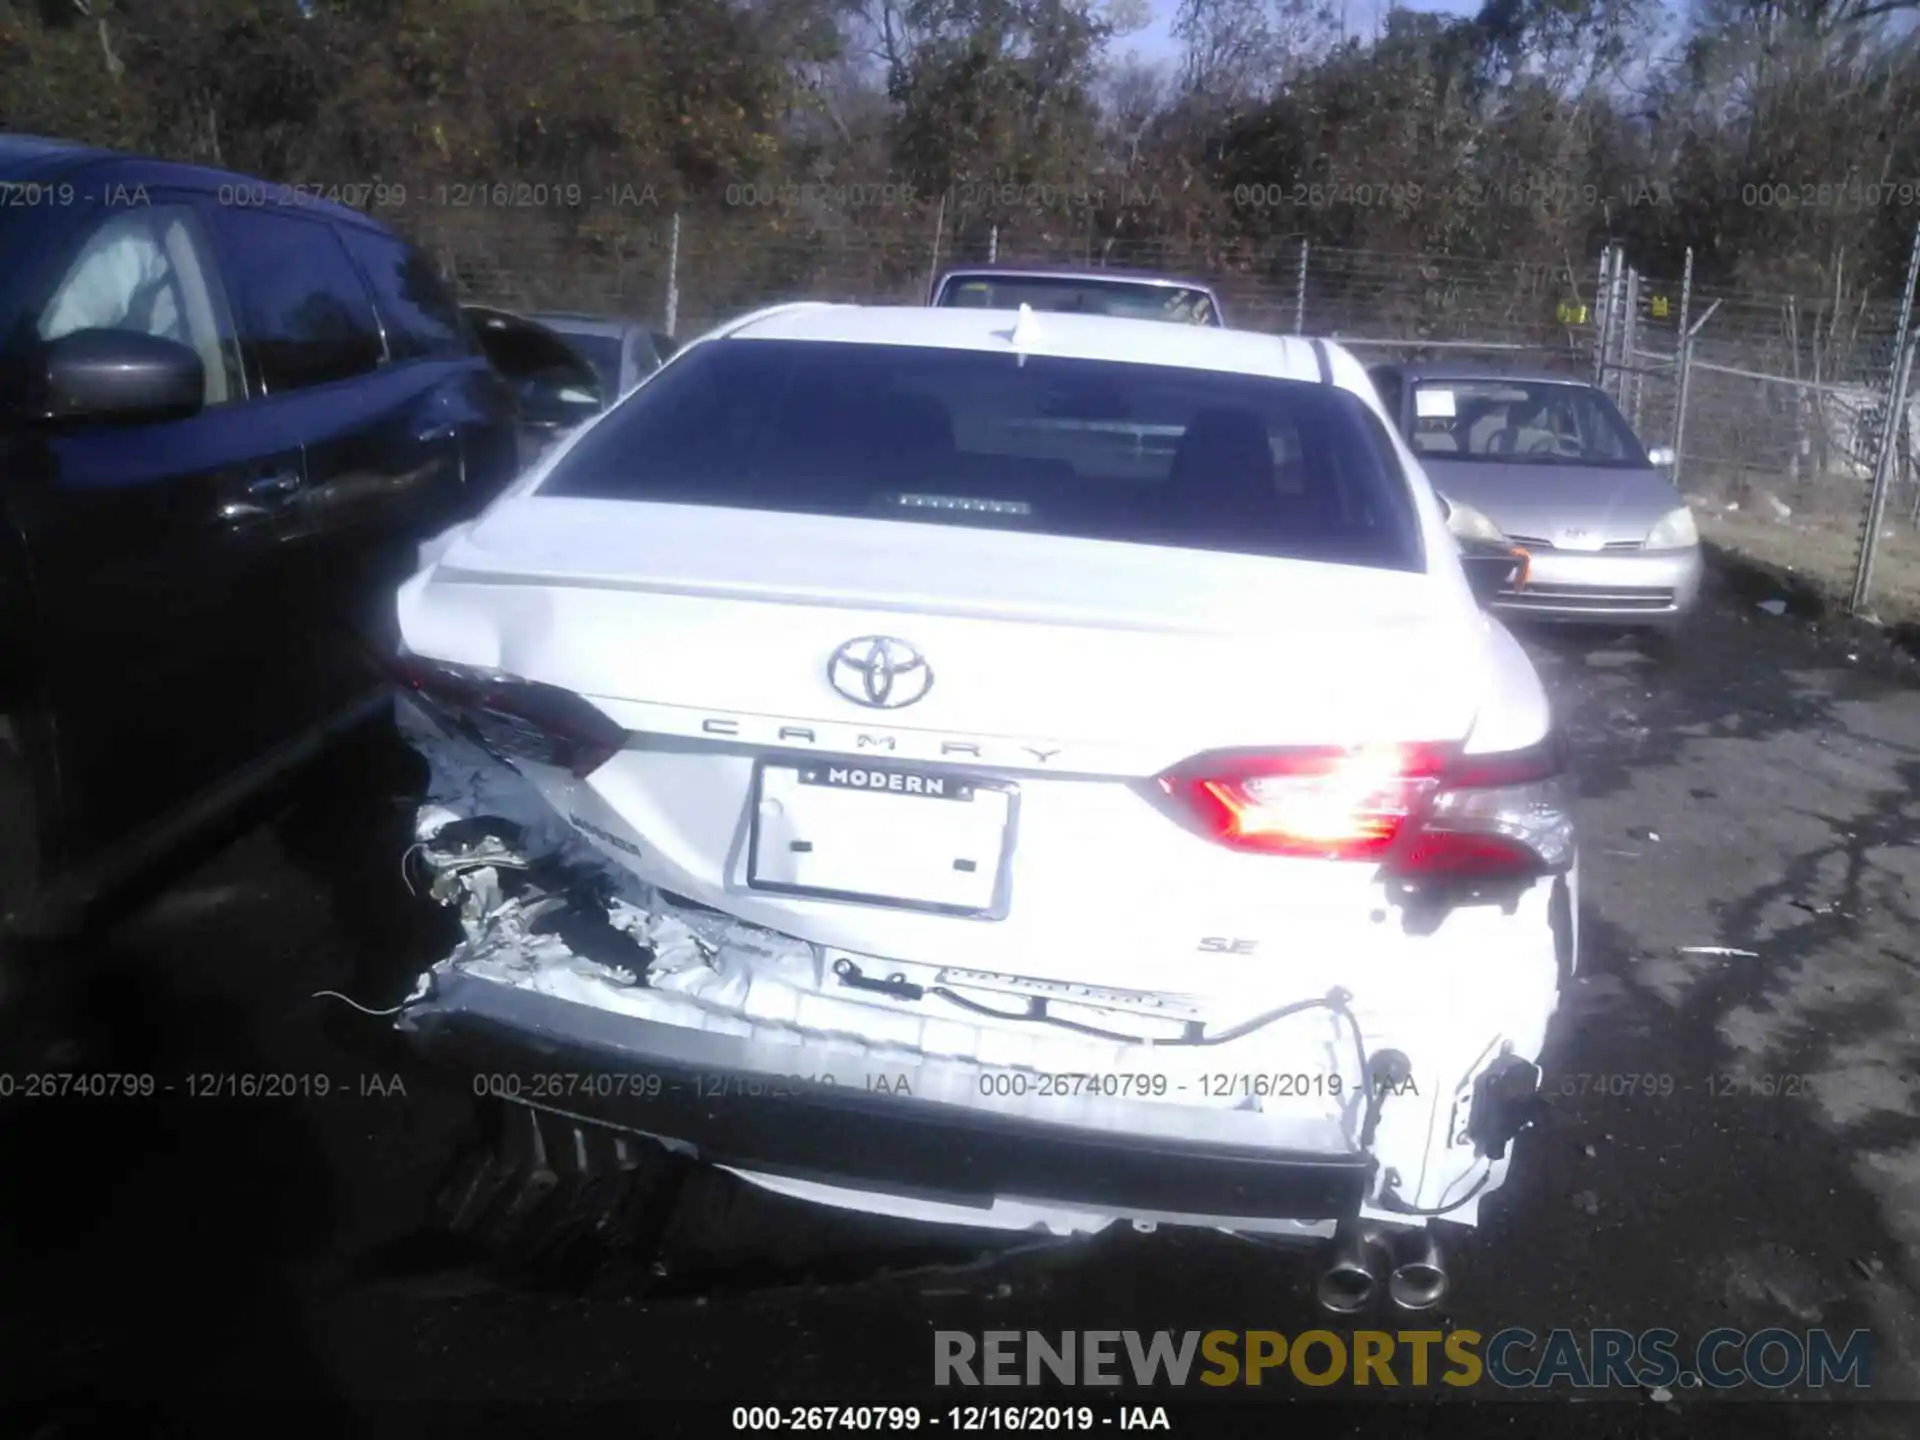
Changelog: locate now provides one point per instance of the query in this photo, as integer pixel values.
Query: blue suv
(228, 419)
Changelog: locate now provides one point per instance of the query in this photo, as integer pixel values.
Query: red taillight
(1421, 809)
(515, 719)
(1334, 803)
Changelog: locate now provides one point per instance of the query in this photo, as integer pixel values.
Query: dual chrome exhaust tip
(1407, 1264)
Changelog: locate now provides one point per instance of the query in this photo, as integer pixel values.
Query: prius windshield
(1531, 422)
(1053, 445)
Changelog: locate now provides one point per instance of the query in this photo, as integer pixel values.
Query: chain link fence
(1792, 427)
(1789, 419)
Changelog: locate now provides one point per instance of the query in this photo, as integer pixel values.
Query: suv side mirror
(1660, 457)
(120, 377)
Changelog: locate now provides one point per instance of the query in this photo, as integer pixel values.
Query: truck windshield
(1125, 299)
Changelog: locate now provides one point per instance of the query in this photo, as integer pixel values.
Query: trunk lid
(1066, 674)
(740, 613)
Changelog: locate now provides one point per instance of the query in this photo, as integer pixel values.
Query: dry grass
(1826, 553)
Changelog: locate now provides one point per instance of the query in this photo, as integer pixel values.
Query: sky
(1155, 43)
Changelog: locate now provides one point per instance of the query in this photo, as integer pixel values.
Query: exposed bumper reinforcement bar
(733, 1102)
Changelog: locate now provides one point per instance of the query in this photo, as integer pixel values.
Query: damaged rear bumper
(905, 1129)
(586, 992)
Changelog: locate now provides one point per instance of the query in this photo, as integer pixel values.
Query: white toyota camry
(1004, 769)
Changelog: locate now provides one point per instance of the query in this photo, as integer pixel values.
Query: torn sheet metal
(510, 865)
(544, 912)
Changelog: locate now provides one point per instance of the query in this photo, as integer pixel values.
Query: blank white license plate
(896, 836)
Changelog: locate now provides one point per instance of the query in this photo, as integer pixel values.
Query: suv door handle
(265, 496)
(271, 487)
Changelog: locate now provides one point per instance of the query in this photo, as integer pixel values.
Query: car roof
(1443, 370)
(26, 158)
(1023, 272)
(39, 159)
(1087, 337)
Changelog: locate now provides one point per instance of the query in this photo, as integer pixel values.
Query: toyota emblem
(879, 672)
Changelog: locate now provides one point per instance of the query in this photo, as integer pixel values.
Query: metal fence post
(1602, 315)
(1686, 381)
(1616, 298)
(1685, 361)
(1300, 293)
(1883, 466)
(1630, 351)
(1679, 339)
(933, 260)
(1617, 336)
(673, 276)
(993, 245)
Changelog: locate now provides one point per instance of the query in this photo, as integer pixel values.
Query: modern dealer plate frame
(784, 781)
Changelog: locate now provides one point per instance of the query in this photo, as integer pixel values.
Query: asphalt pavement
(1730, 1140)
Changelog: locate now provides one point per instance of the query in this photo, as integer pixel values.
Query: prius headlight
(1675, 531)
(1468, 523)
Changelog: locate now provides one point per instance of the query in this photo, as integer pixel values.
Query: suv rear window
(422, 320)
(1086, 448)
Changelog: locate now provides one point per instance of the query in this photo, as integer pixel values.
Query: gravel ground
(194, 1253)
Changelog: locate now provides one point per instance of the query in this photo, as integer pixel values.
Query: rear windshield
(1085, 448)
(1535, 422)
(1128, 300)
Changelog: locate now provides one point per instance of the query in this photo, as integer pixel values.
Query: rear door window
(305, 316)
(420, 317)
(1085, 448)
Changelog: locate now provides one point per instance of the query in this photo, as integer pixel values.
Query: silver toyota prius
(1549, 462)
